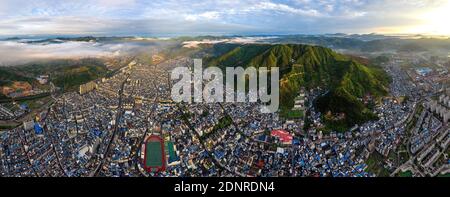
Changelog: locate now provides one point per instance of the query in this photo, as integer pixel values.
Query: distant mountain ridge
(356, 42)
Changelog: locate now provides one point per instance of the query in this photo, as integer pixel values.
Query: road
(115, 129)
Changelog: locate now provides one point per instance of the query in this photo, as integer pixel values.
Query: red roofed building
(284, 136)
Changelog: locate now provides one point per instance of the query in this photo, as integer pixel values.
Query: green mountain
(346, 79)
(69, 74)
(65, 73)
(7, 76)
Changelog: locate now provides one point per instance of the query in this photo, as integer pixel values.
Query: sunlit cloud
(148, 17)
(434, 21)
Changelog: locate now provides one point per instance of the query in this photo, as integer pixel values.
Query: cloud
(286, 8)
(18, 52)
(120, 27)
(210, 15)
(239, 40)
(222, 16)
(114, 3)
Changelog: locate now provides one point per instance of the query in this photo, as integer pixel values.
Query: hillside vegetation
(67, 74)
(7, 76)
(346, 79)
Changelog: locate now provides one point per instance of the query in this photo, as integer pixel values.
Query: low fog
(19, 52)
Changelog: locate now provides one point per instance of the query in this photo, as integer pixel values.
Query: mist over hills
(22, 50)
(17, 50)
(370, 42)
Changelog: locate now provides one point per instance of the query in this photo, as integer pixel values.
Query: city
(102, 130)
(360, 89)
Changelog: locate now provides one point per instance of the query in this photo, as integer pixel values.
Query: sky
(222, 17)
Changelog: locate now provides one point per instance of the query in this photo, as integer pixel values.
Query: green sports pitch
(154, 154)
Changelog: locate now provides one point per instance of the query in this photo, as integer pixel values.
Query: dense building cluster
(101, 131)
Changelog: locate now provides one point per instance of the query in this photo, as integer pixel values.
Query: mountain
(346, 79)
(65, 73)
(7, 76)
(369, 42)
(59, 40)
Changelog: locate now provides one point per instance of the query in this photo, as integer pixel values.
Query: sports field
(153, 154)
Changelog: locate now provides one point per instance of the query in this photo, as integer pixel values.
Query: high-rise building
(87, 87)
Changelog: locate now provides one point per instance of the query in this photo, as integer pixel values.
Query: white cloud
(114, 2)
(12, 52)
(286, 8)
(210, 15)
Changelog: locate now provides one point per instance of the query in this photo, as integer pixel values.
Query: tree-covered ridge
(346, 79)
(65, 73)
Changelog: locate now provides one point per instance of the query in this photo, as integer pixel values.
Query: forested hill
(313, 66)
